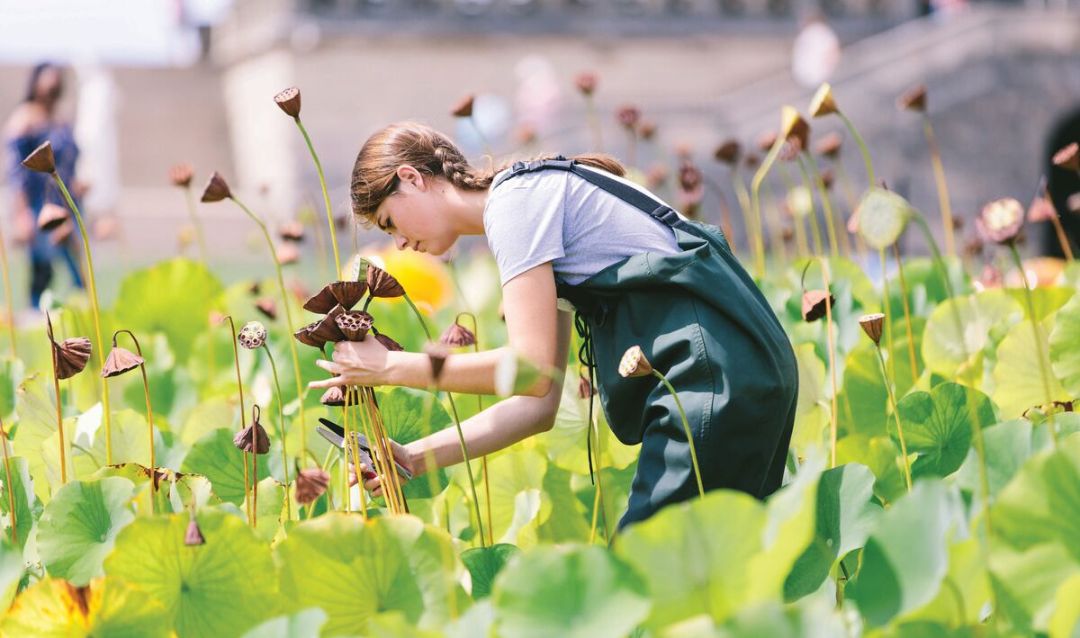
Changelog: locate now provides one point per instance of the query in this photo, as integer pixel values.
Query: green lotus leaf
(881, 455)
(54, 608)
(1066, 619)
(11, 571)
(220, 588)
(173, 297)
(950, 348)
(519, 504)
(352, 570)
(37, 431)
(926, 288)
(812, 414)
(845, 515)
(568, 590)
(211, 413)
(1064, 355)
(301, 624)
(566, 444)
(393, 624)
(12, 372)
(27, 505)
(79, 526)
(1018, 374)
(938, 426)
(1046, 299)
(717, 554)
(883, 216)
(403, 411)
(906, 556)
(484, 564)
(966, 590)
(215, 457)
(1008, 445)
(863, 404)
(130, 436)
(1025, 582)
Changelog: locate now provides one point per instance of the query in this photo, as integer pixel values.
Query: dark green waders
(702, 322)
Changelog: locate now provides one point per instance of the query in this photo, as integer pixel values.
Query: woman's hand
(355, 363)
(373, 482)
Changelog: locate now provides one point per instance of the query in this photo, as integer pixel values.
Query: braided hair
(374, 175)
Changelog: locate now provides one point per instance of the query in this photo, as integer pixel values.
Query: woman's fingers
(328, 383)
(330, 366)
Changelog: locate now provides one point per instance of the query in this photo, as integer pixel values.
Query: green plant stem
(1037, 334)
(59, 424)
(896, 416)
(9, 485)
(755, 203)
(480, 408)
(326, 197)
(832, 366)
(288, 316)
(284, 434)
(7, 293)
(942, 186)
(243, 411)
(197, 225)
(862, 147)
(814, 226)
(907, 315)
(149, 410)
(886, 309)
(92, 286)
(686, 428)
(826, 205)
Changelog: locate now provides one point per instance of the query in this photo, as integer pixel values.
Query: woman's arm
(531, 321)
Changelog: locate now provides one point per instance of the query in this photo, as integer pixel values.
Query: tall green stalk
(149, 409)
(92, 288)
(896, 415)
(826, 205)
(686, 428)
(326, 196)
(755, 203)
(7, 293)
(281, 429)
(1037, 334)
(942, 186)
(288, 312)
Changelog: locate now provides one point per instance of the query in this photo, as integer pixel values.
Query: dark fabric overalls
(701, 321)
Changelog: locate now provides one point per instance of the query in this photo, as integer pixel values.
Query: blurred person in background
(33, 122)
(815, 51)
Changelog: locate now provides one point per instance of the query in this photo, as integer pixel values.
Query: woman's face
(414, 213)
(49, 85)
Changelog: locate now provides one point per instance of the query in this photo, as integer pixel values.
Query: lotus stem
(860, 251)
(10, 486)
(942, 186)
(686, 428)
(281, 429)
(896, 416)
(59, 423)
(862, 147)
(7, 293)
(326, 197)
(480, 408)
(429, 456)
(196, 224)
(346, 493)
(886, 309)
(594, 426)
(149, 409)
(243, 411)
(1037, 334)
(815, 228)
(826, 205)
(1062, 238)
(254, 473)
(92, 284)
(363, 499)
(457, 426)
(832, 365)
(288, 314)
(755, 199)
(743, 197)
(907, 315)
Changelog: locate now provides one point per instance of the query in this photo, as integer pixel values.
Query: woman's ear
(409, 175)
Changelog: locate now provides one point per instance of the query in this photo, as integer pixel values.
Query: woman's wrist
(401, 368)
(417, 457)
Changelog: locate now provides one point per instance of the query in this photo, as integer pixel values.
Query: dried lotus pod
(913, 99)
(382, 284)
(253, 438)
(388, 343)
(307, 336)
(339, 293)
(216, 189)
(634, 363)
(41, 160)
(872, 325)
(193, 536)
(728, 152)
(327, 328)
(335, 397)
(252, 335)
(457, 336)
(354, 325)
(119, 361)
(268, 307)
(311, 484)
(464, 107)
(70, 355)
(813, 304)
(289, 101)
(51, 216)
(181, 175)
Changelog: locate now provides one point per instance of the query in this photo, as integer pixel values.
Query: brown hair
(374, 174)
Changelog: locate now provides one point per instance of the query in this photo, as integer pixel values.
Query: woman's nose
(400, 242)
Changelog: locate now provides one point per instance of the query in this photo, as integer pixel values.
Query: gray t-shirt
(556, 216)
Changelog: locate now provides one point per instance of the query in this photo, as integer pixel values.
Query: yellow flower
(425, 278)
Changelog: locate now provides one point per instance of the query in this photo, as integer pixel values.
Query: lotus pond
(932, 489)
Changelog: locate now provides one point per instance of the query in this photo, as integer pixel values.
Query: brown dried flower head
(1068, 157)
(51, 216)
(634, 363)
(437, 355)
(382, 284)
(585, 83)
(311, 484)
(339, 293)
(287, 253)
(823, 102)
(872, 324)
(913, 99)
(354, 325)
(181, 175)
(253, 438)
(216, 189)
(647, 129)
(388, 343)
(690, 178)
(335, 397)
(306, 335)
(119, 361)
(193, 536)
(70, 355)
(289, 101)
(1000, 220)
(457, 336)
(464, 107)
(291, 231)
(268, 308)
(1041, 209)
(728, 152)
(766, 140)
(829, 145)
(794, 127)
(627, 116)
(828, 178)
(327, 328)
(41, 159)
(814, 304)
(252, 335)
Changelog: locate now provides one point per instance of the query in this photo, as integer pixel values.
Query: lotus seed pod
(181, 175)
(354, 325)
(871, 325)
(634, 363)
(814, 304)
(119, 361)
(823, 102)
(457, 336)
(41, 159)
(311, 484)
(464, 107)
(252, 335)
(216, 189)
(289, 101)
(1000, 220)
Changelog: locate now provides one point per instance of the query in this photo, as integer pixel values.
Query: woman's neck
(467, 210)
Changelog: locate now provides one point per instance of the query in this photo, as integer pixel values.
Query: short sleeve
(523, 222)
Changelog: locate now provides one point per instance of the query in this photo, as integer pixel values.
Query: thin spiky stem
(686, 428)
(896, 416)
(281, 428)
(10, 486)
(326, 196)
(149, 408)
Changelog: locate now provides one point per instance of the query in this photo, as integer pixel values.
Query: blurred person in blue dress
(34, 121)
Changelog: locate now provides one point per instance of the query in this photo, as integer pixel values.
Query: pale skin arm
(537, 332)
(19, 124)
